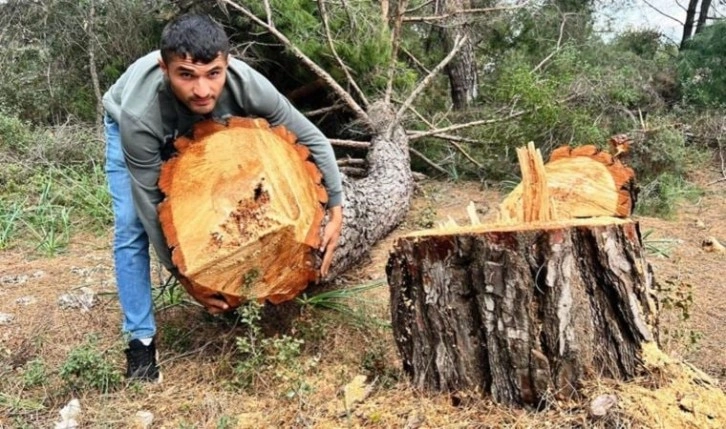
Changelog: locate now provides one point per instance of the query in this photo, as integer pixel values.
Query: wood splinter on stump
(528, 308)
(243, 210)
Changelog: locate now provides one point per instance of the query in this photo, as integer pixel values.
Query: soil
(201, 387)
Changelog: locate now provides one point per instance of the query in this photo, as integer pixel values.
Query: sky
(641, 15)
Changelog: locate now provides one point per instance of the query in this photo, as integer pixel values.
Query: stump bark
(527, 310)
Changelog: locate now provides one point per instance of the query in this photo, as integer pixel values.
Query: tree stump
(243, 210)
(526, 310)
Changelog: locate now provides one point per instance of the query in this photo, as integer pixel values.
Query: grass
(9, 215)
(658, 246)
(342, 300)
(52, 205)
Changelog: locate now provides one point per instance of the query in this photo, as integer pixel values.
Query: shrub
(87, 367)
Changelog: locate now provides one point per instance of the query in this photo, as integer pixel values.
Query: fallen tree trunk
(525, 311)
(243, 207)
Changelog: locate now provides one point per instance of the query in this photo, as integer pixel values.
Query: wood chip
(600, 405)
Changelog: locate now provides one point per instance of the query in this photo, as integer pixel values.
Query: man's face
(194, 83)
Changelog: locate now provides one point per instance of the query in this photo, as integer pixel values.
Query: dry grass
(199, 352)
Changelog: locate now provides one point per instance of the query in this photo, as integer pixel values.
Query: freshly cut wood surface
(581, 182)
(243, 210)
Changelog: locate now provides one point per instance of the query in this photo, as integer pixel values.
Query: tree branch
(350, 143)
(417, 135)
(662, 13)
(395, 41)
(557, 48)
(323, 110)
(415, 60)
(268, 12)
(90, 30)
(444, 16)
(342, 93)
(324, 15)
(458, 43)
(449, 137)
(419, 7)
(436, 166)
(352, 162)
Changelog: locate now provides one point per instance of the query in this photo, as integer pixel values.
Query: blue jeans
(130, 243)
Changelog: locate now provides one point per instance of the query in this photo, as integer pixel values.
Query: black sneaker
(141, 362)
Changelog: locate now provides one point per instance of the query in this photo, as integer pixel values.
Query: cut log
(526, 310)
(276, 220)
(582, 182)
(243, 210)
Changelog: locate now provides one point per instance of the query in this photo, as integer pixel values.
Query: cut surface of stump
(529, 308)
(242, 210)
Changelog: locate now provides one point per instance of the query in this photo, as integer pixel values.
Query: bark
(688, 25)
(462, 72)
(376, 204)
(703, 15)
(528, 309)
(522, 314)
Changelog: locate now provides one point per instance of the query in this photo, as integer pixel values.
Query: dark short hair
(194, 35)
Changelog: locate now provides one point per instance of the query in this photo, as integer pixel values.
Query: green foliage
(643, 43)
(48, 223)
(51, 181)
(9, 216)
(17, 405)
(677, 296)
(660, 196)
(702, 67)
(35, 373)
(339, 300)
(657, 246)
(360, 39)
(280, 354)
(662, 162)
(87, 367)
(46, 49)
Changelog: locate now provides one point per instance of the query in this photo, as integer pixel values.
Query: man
(159, 97)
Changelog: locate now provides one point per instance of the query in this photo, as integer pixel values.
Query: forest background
(548, 71)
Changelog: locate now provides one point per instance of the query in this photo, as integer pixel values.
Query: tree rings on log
(242, 210)
(581, 182)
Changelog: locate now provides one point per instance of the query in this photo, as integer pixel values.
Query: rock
(415, 419)
(356, 391)
(26, 300)
(600, 405)
(143, 419)
(69, 414)
(13, 280)
(6, 318)
(711, 244)
(82, 299)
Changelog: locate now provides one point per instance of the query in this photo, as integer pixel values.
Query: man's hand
(331, 234)
(211, 300)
